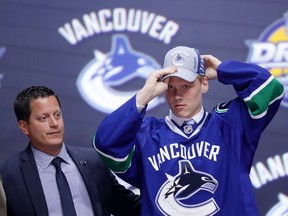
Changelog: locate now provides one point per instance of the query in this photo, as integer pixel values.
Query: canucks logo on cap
(270, 51)
(178, 60)
(185, 57)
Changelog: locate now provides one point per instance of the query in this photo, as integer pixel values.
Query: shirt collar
(43, 159)
(180, 121)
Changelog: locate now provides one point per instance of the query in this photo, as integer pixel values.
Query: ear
(205, 85)
(23, 126)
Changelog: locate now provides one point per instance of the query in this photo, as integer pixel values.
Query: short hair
(23, 100)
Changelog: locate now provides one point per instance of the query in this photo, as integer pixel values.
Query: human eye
(42, 118)
(58, 115)
(170, 89)
(186, 87)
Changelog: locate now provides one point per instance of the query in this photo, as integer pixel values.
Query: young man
(192, 162)
(30, 178)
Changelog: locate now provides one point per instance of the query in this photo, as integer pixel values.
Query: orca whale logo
(173, 193)
(100, 78)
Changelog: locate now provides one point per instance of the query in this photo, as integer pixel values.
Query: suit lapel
(84, 168)
(33, 183)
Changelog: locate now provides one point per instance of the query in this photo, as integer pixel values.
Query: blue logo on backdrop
(110, 79)
(99, 78)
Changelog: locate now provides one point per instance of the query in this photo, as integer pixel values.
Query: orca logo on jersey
(174, 195)
(222, 107)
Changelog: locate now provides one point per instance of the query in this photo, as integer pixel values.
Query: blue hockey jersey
(207, 172)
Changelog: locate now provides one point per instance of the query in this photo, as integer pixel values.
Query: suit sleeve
(107, 195)
(124, 201)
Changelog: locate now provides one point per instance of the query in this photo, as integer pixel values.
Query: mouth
(54, 133)
(177, 106)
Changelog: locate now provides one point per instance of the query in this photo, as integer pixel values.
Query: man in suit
(29, 178)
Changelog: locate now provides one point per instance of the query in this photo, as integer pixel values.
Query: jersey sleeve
(259, 97)
(116, 138)
(254, 84)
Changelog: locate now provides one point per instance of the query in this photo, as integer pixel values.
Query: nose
(177, 94)
(53, 122)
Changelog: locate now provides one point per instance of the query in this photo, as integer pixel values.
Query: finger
(166, 71)
(166, 81)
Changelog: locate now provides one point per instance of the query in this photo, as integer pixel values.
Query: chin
(180, 115)
(57, 143)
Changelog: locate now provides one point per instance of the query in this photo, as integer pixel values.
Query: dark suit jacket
(25, 195)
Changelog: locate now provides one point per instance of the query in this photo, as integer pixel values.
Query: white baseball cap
(188, 62)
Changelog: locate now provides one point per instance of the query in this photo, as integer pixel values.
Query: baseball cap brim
(183, 74)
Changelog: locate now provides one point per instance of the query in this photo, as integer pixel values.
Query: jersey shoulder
(222, 108)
